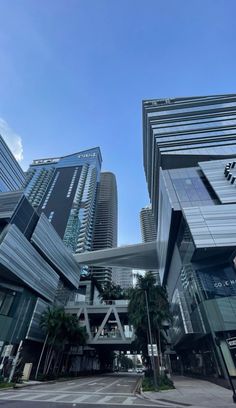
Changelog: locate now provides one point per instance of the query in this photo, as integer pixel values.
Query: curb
(23, 385)
(181, 404)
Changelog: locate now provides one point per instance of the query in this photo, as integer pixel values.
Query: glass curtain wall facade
(11, 174)
(64, 189)
(147, 223)
(106, 220)
(148, 232)
(33, 262)
(189, 161)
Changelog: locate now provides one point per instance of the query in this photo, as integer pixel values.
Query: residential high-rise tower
(105, 231)
(147, 223)
(64, 189)
(148, 231)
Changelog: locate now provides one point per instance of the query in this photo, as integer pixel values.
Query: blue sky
(74, 72)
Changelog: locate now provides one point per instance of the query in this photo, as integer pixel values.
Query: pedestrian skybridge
(106, 324)
(137, 256)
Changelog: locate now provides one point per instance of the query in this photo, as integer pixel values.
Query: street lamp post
(150, 336)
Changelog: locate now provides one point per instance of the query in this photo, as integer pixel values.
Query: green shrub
(148, 384)
(6, 385)
(164, 383)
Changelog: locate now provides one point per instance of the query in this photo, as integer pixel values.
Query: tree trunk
(50, 362)
(48, 357)
(41, 355)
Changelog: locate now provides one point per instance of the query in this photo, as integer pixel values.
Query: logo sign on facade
(152, 350)
(231, 342)
(225, 283)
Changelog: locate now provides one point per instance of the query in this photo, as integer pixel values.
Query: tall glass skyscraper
(190, 162)
(149, 232)
(11, 174)
(105, 231)
(64, 189)
(147, 224)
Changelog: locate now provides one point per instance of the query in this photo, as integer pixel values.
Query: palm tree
(61, 329)
(158, 311)
(111, 291)
(50, 319)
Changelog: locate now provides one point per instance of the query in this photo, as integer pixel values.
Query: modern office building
(190, 161)
(106, 219)
(64, 189)
(34, 262)
(11, 174)
(147, 224)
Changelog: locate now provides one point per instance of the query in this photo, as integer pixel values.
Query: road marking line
(58, 397)
(15, 395)
(129, 401)
(4, 393)
(122, 385)
(109, 385)
(97, 383)
(105, 399)
(33, 397)
(80, 399)
(76, 385)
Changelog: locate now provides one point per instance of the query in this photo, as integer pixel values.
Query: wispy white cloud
(13, 140)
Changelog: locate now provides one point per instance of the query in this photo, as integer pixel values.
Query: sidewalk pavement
(195, 393)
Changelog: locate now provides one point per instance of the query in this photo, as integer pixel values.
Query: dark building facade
(64, 189)
(189, 161)
(106, 219)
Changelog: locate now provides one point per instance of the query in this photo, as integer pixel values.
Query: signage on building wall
(218, 281)
(231, 342)
(225, 283)
(83, 155)
(45, 161)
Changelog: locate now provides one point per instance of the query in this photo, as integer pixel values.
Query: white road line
(13, 395)
(77, 385)
(109, 385)
(80, 399)
(34, 397)
(4, 393)
(58, 397)
(129, 401)
(122, 385)
(97, 383)
(105, 399)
